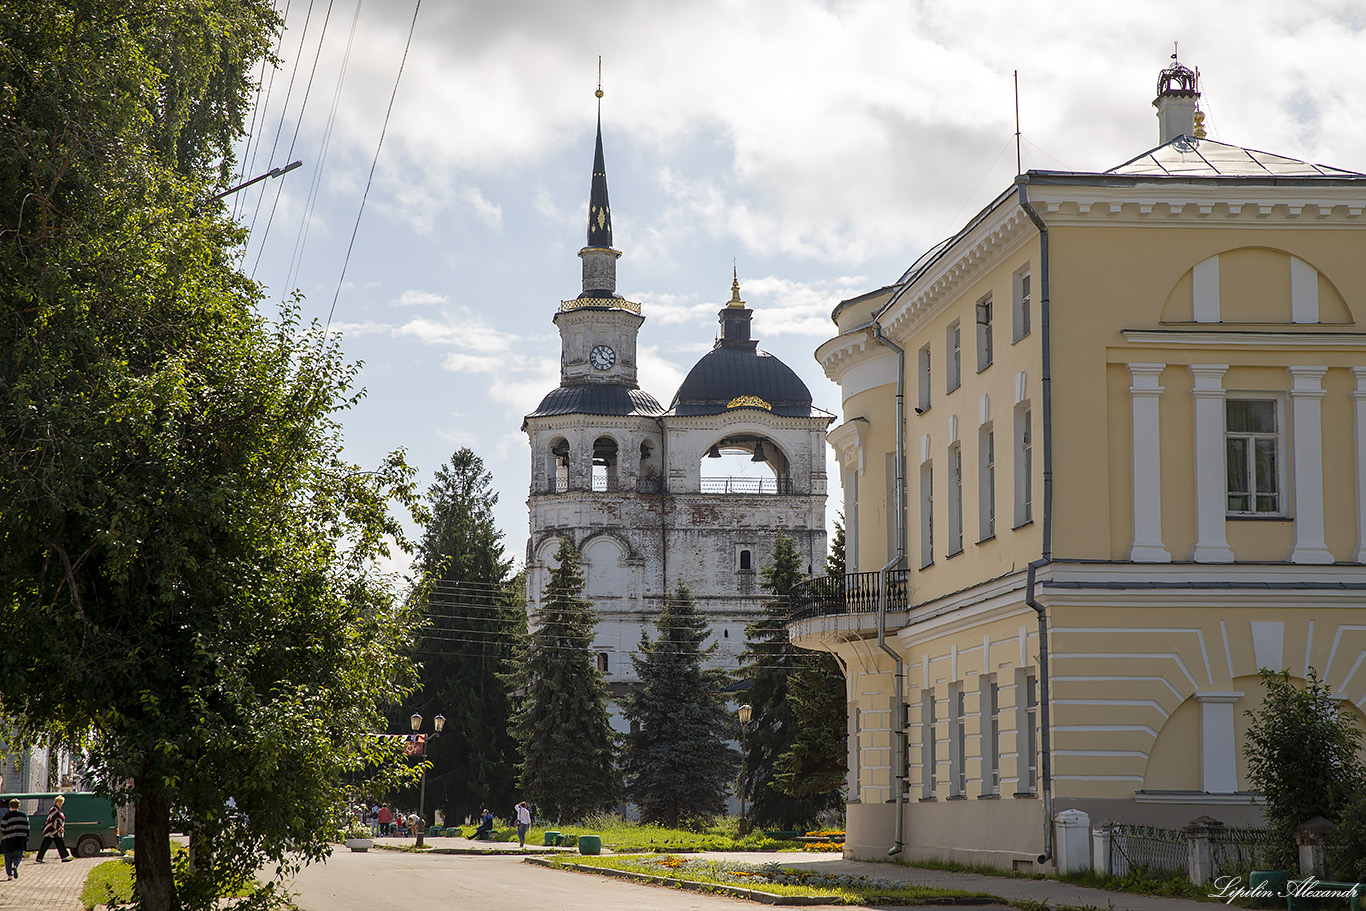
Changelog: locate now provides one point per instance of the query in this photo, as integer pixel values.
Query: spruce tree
(476, 618)
(566, 737)
(814, 766)
(770, 660)
(677, 764)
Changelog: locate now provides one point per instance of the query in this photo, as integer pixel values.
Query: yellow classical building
(1103, 456)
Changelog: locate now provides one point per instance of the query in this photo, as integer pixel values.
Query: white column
(1146, 469)
(1359, 411)
(1306, 462)
(1211, 491)
(1218, 755)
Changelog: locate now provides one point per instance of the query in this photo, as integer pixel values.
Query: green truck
(91, 820)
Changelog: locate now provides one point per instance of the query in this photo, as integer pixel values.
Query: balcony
(852, 593)
(749, 486)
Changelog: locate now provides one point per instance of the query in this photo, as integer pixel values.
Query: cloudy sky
(816, 147)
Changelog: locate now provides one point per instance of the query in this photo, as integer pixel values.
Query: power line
(345, 262)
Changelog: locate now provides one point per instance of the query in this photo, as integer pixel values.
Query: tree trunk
(152, 856)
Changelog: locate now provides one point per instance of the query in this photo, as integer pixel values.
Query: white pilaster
(1211, 491)
(1359, 427)
(1146, 470)
(1306, 447)
(1218, 755)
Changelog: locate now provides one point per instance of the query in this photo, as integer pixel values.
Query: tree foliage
(185, 556)
(568, 747)
(476, 620)
(1303, 751)
(814, 766)
(677, 764)
(770, 660)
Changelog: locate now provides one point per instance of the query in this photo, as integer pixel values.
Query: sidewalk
(1009, 888)
(48, 886)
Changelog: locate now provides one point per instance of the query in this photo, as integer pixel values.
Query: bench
(1311, 894)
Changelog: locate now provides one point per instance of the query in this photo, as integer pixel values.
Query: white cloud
(416, 298)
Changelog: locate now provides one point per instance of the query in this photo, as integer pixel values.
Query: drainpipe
(1046, 384)
(900, 761)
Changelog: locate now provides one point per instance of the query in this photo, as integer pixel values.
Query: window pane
(1249, 416)
(1265, 451)
(1237, 465)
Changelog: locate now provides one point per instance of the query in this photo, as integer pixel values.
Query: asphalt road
(373, 880)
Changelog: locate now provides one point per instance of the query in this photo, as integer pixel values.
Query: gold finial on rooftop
(735, 301)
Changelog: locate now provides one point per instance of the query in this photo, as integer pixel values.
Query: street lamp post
(439, 722)
(745, 712)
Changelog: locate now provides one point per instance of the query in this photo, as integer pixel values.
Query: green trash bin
(437, 831)
(590, 844)
(126, 843)
(559, 840)
(550, 837)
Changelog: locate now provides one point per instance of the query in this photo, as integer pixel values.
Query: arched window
(557, 480)
(604, 464)
(602, 662)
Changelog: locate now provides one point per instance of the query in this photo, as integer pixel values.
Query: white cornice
(999, 233)
(1215, 202)
(1244, 339)
(847, 350)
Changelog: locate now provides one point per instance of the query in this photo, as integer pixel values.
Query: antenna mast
(1018, 167)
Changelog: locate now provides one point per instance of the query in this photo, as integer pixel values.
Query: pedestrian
(385, 817)
(523, 822)
(54, 832)
(374, 820)
(485, 830)
(13, 837)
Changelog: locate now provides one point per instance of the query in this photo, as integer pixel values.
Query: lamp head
(416, 722)
(440, 722)
(746, 712)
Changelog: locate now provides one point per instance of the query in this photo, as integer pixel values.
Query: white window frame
(1021, 292)
(926, 513)
(1024, 464)
(953, 357)
(928, 758)
(958, 741)
(924, 396)
(1027, 731)
(986, 483)
(984, 342)
(1280, 436)
(989, 713)
(955, 541)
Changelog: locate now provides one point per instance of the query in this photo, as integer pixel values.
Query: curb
(754, 895)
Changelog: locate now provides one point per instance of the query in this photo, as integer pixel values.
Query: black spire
(599, 211)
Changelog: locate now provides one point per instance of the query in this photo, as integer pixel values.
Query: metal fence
(1236, 851)
(1147, 849)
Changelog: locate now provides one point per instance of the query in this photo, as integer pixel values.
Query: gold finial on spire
(735, 301)
(598, 93)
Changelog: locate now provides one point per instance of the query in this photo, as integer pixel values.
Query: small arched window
(602, 662)
(745, 560)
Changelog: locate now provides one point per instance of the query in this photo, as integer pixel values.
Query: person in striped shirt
(13, 837)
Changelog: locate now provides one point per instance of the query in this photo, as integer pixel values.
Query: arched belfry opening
(557, 480)
(746, 463)
(605, 464)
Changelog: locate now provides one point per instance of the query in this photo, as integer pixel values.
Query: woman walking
(54, 831)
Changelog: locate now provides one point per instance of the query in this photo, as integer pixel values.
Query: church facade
(631, 484)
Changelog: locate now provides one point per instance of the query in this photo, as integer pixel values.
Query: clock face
(602, 357)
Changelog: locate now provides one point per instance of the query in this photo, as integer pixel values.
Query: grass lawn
(622, 837)
(775, 879)
(111, 881)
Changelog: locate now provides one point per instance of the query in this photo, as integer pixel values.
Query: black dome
(597, 398)
(726, 373)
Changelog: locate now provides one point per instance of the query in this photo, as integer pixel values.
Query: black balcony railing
(852, 593)
(744, 486)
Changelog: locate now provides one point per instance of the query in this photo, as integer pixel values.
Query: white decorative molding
(953, 429)
(849, 440)
(1359, 436)
(1306, 446)
(1205, 291)
(983, 409)
(1218, 753)
(1021, 387)
(1247, 340)
(1211, 493)
(1268, 643)
(1146, 466)
(925, 448)
(1304, 292)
